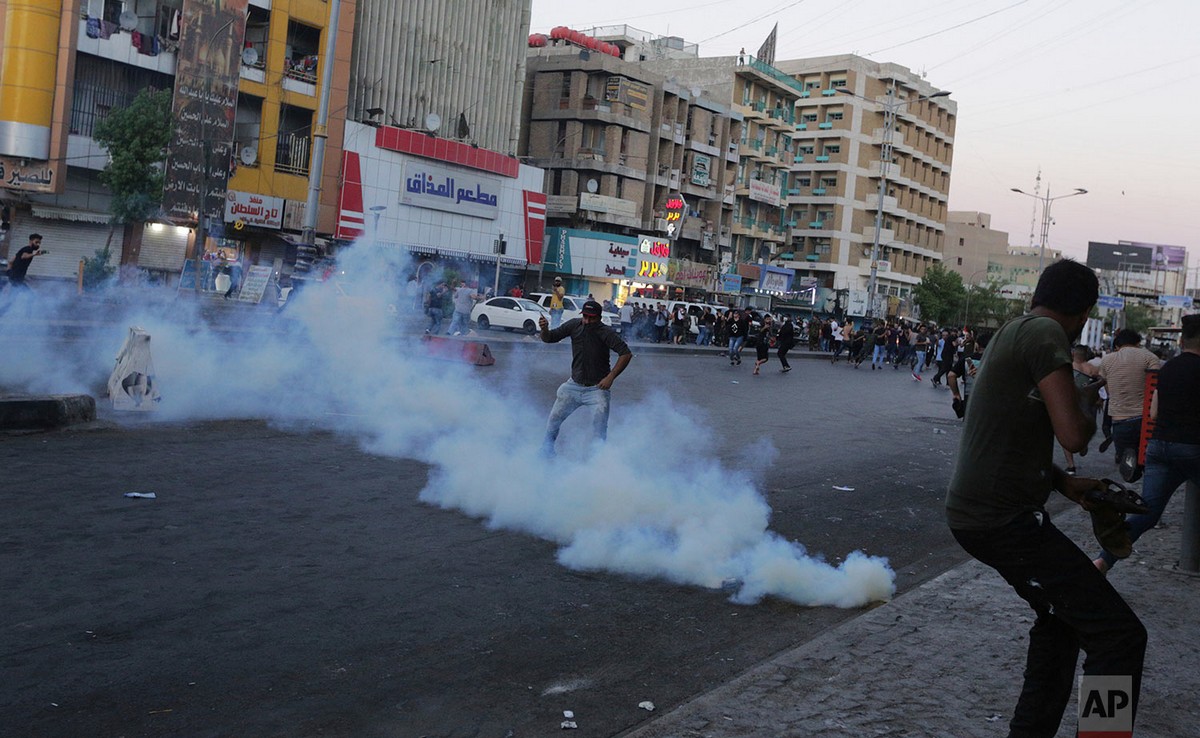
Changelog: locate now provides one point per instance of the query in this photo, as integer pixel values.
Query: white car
(573, 308)
(509, 313)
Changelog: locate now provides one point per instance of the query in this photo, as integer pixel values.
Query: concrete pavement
(946, 658)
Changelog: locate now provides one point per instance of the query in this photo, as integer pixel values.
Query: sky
(1097, 94)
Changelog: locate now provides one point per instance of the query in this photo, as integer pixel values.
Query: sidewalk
(946, 659)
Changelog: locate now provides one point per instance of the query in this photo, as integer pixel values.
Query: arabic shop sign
(676, 208)
(764, 192)
(701, 168)
(649, 263)
(428, 185)
(35, 177)
(256, 210)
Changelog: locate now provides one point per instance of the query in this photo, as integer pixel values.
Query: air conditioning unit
(660, 224)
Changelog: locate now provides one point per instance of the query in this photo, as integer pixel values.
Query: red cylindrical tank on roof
(559, 32)
(616, 51)
(593, 43)
(578, 38)
(537, 39)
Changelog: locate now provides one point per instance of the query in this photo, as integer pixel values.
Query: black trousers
(784, 348)
(1076, 609)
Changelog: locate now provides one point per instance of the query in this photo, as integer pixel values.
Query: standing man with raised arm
(591, 376)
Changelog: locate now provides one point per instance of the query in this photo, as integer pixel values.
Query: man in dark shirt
(739, 327)
(24, 257)
(591, 378)
(1024, 397)
(1173, 454)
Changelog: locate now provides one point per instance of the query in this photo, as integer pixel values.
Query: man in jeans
(464, 301)
(1023, 398)
(1173, 454)
(1124, 370)
(591, 378)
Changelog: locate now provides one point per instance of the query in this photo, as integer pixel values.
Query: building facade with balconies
(838, 156)
(766, 98)
(617, 143)
(245, 84)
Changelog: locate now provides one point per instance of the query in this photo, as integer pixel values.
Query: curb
(47, 411)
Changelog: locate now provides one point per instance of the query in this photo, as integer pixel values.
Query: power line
(951, 28)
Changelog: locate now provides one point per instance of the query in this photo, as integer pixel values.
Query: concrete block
(29, 412)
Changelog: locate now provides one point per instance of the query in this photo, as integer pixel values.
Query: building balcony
(292, 152)
(822, 159)
(805, 93)
(118, 47)
(830, 92)
(816, 224)
(825, 126)
(818, 191)
(793, 192)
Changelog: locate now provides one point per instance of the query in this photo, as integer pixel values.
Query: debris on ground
(648, 706)
(839, 488)
(142, 495)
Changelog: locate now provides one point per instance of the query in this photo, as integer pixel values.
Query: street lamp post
(890, 108)
(1046, 201)
(970, 283)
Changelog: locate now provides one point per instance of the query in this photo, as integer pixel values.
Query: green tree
(986, 306)
(940, 294)
(1138, 317)
(96, 270)
(136, 137)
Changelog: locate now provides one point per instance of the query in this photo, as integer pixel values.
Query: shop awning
(47, 212)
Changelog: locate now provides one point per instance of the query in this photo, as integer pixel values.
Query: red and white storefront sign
(491, 195)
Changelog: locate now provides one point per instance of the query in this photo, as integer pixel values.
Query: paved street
(306, 575)
(285, 582)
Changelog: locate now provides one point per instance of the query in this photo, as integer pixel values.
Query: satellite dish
(248, 155)
(127, 20)
(249, 56)
(592, 186)
(866, 250)
(433, 121)
(696, 92)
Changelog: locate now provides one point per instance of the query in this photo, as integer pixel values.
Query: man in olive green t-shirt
(1023, 398)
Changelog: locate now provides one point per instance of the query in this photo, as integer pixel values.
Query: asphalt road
(285, 583)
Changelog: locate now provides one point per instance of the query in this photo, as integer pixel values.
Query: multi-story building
(839, 149)
(984, 256)
(246, 79)
(1148, 274)
(766, 98)
(619, 143)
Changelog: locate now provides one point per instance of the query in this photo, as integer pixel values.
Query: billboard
(1162, 256)
(1119, 257)
(207, 69)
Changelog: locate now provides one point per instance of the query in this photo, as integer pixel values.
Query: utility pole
(316, 168)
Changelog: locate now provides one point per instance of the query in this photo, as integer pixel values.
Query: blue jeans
(1076, 608)
(460, 322)
(570, 397)
(920, 362)
(1126, 433)
(1168, 465)
(703, 338)
(879, 355)
(555, 317)
(735, 347)
(435, 320)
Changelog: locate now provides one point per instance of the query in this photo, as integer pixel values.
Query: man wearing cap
(591, 376)
(556, 302)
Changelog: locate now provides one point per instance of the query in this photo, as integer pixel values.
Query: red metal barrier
(472, 352)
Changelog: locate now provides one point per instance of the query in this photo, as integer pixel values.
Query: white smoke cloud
(640, 504)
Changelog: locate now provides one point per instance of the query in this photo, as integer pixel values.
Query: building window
(829, 181)
(809, 117)
(962, 242)
(293, 145)
(805, 149)
(834, 116)
(833, 149)
(960, 261)
(566, 85)
(837, 83)
(303, 44)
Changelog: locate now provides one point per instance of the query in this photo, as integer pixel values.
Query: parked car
(509, 313)
(573, 308)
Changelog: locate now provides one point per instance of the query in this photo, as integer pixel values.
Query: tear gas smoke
(672, 514)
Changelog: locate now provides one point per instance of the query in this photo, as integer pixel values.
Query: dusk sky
(1100, 94)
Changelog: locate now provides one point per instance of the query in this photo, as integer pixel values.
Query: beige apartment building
(617, 142)
(982, 255)
(766, 98)
(839, 156)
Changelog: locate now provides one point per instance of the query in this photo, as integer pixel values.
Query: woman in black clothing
(785, 341)
(763, 345)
